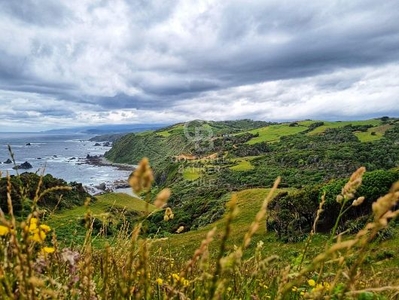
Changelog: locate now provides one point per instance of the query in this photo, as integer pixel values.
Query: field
(69, 225)
(339, 124)
(274, 132)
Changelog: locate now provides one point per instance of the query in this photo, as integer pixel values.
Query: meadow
(233, 258)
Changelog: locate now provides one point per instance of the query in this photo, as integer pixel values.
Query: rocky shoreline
(100, 160)
(107, 187)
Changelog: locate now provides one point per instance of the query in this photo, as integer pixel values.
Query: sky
(91, 62)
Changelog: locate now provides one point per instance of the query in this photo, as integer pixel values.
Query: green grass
(145, 133)
(307, 123)
(103, 203)
(164, 133)
(339, 124)
(369, 137)
(192, 173)
(122, 200)
(176, 129)
(243, 165)
(249, 203)
(69, 225)
(274, 132)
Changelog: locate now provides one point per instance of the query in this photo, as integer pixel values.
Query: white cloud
(97, 61)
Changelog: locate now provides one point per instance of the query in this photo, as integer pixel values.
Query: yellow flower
(38, 236)
(32, 227)
(4, 230)
(33, 221)
(159, 281)
(326, 285)
(311, 282)
(45, 228)
(48, 249)
(185, 282)
(294, 289)
(175, 277)
(229, 289)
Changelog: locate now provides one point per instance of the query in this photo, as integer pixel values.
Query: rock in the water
(28, 144)
(97, 144)
(24, 166)
(102, 186)
(8, 161)
(107, 144)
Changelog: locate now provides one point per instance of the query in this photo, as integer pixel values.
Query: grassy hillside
(204, 161)
(274, 132)
(249, 203)
(108, 213)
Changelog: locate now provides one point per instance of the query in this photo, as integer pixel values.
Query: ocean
(61, 155)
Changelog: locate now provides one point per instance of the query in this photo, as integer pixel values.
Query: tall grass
(33, 265)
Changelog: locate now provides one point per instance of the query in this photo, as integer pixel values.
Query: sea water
(61, 155)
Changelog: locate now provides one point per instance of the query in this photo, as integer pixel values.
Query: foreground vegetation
(230, 261)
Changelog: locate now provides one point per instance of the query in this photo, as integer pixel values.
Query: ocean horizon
(61, 155)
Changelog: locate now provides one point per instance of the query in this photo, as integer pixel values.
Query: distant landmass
(107, 129)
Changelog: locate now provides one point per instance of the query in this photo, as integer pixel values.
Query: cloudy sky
(83, 62)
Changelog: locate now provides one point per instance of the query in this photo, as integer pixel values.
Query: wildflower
(45, 228)
(32, 227)
(259, 245)
(175, 277)
(311, 282)
(4, 230)
(326, 285)
(229, 289)
(159, 281)
(318, 288)
(168, 214)
(185, 282)
(70, 256)
(48, 250)
(294, 289)
(39, 236)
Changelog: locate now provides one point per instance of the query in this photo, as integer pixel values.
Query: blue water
(61, 155)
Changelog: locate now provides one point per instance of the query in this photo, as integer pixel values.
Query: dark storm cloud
(162, 57)
(314, 43)
(40, 13)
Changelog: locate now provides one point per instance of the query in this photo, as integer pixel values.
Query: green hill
(108, 214)
(203, 162)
